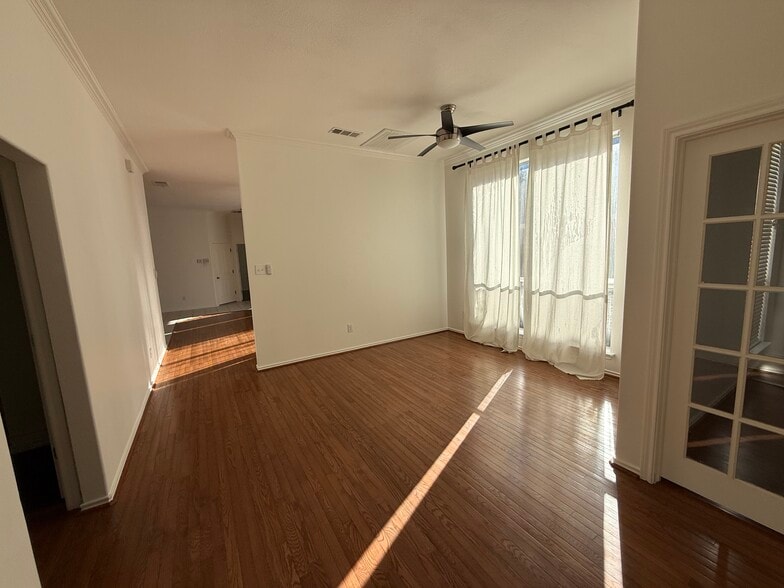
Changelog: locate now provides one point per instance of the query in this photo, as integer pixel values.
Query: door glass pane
(709, 439)
(764, 397)
(761, 458)
(720, 318)
(727, 252)
(733, 183)
(714, 380)
(767, 324)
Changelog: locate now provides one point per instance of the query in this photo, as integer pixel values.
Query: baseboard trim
(625, 466)
(129, 445)
(270, 366)
(455, 330)
(127, 451)
(154, 375)
(95, 502)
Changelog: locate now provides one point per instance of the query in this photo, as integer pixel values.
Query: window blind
(767, 243)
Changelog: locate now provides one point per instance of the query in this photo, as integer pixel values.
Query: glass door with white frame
(724, 423)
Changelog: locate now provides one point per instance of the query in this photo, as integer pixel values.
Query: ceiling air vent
(160, 184)
(344, 132)
(380, 141)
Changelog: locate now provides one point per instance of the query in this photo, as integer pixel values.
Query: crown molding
(548, 123)
(272, 139)
(58, 31)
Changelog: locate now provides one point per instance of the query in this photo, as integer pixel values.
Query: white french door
(724, 422)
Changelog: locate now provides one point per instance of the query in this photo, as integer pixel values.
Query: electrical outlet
(349, 328)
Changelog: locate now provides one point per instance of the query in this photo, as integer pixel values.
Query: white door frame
(665, 248)
(46, 369)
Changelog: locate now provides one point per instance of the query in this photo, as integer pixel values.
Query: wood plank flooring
(428, 462)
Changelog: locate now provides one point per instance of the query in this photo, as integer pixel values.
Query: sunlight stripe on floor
(374, 554)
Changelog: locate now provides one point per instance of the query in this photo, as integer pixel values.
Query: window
(616, 158)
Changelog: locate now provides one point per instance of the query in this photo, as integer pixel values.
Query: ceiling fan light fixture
(449, 142)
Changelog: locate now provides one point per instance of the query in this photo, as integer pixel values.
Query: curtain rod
(618, 109)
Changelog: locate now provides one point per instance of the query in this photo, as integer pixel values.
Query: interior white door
(724, 422)
(233, 281)
(221, 255)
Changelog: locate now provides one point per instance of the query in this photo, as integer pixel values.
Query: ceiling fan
(450, 136)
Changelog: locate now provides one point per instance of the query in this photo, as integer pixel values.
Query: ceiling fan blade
(446, 121)
(471, 143)
(426, 151)
(485, 127)
(408, 136)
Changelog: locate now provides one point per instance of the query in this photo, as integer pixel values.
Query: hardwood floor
(432, 461)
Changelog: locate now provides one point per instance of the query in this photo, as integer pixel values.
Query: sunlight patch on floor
(367, 563)
(199, 349)
(493, 391)
(613, 569)
(198, 357)
(196, 317)
(607, 435)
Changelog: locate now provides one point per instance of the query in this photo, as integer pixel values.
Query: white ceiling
(180, 72)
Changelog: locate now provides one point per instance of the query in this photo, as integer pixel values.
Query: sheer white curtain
(565, 250)
(492, 302)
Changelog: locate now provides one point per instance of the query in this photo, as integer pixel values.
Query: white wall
(218, 227)
(694, 59)
(351, 237)
(180, 236)
(235, 228)
(105, 325)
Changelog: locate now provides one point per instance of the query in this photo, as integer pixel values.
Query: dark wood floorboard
(390, 466)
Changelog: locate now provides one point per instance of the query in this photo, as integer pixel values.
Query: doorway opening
(244, 282)
(200, 264)
(22, 406)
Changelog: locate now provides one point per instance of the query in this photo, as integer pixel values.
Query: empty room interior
(419, 293)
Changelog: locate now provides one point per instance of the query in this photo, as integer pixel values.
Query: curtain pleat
(492, 303)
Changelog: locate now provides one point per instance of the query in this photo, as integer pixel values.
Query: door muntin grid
(736, 405)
